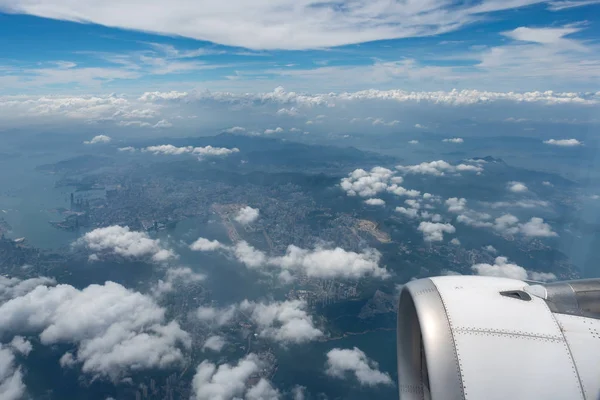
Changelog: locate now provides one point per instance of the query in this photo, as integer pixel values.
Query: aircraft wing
(473, 337)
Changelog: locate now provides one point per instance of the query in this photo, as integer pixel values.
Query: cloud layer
(226, 381)
(281, 24)
(123, 242)
(114, 329)
(504, 269)
(355, 361)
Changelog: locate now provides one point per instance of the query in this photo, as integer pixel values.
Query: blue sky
(66, 46)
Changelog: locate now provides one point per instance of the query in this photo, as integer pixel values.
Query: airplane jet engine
(473, 337)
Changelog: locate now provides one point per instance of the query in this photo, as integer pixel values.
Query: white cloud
(434, 231)
(454, 140)
(409, 212)
(14, 287)
(536, 227)
(176, 277)
(437, 168)
(272, 131)
(355, 361)
(561, 5)
(490, 249)
(214, 343)
(456, 205)
(276, 25)
(263, 390)
(375, 202)
(367, 184)
(115, 329)
(331, 263)
(413, 142)
(21, 345)
(298, 392)
(215, 316)
(248, 255)
(432, 217)
(99, 139)
(223, 382)
(120, 240)
(517, 187)
(284, 322)
(203, 244)
(563, 142)
(290, 112)
(11, 376)
(163, 123)
(319, 262)
(501, 268)
(546, 183)
(129, 149)
(169, 149)
(519, 204)
(455, 242)
(504, 269)
(235, 129)
(247, 215)
(542, 276)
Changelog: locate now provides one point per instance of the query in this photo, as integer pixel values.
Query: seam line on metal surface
(504, 332)
(566, 344)
(456, 353)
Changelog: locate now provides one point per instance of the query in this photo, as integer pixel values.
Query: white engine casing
(472, 337)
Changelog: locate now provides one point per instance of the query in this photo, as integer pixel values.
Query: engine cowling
(472, 337)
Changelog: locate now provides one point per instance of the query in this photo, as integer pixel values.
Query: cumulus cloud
(11, 376)
(15, 287)
(319, 262)
(224, 382)
(375, 202)
(284, 322)
(215, 316)
(263, 390)
(121, 241)
(413, 142)
(247, 215)
(542, 276)
(272, 131)
(21, 345)
(99, 139)
(517, 187)
(169, 149)
(116, 330)
(129, 149)
(504, 269)
(235, 129)
(203, 244)
(355, 361)
(409, 212)
(438, 168)
(331, 263)
(536, 227)
(564, 142)
(456, 205)
(490, 249)
(214, 343)
(455, 242)
(177, 277)
(367, 184)
(454, 140)
(434, 231)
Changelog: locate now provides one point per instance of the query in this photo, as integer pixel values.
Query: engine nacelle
(472, 337)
